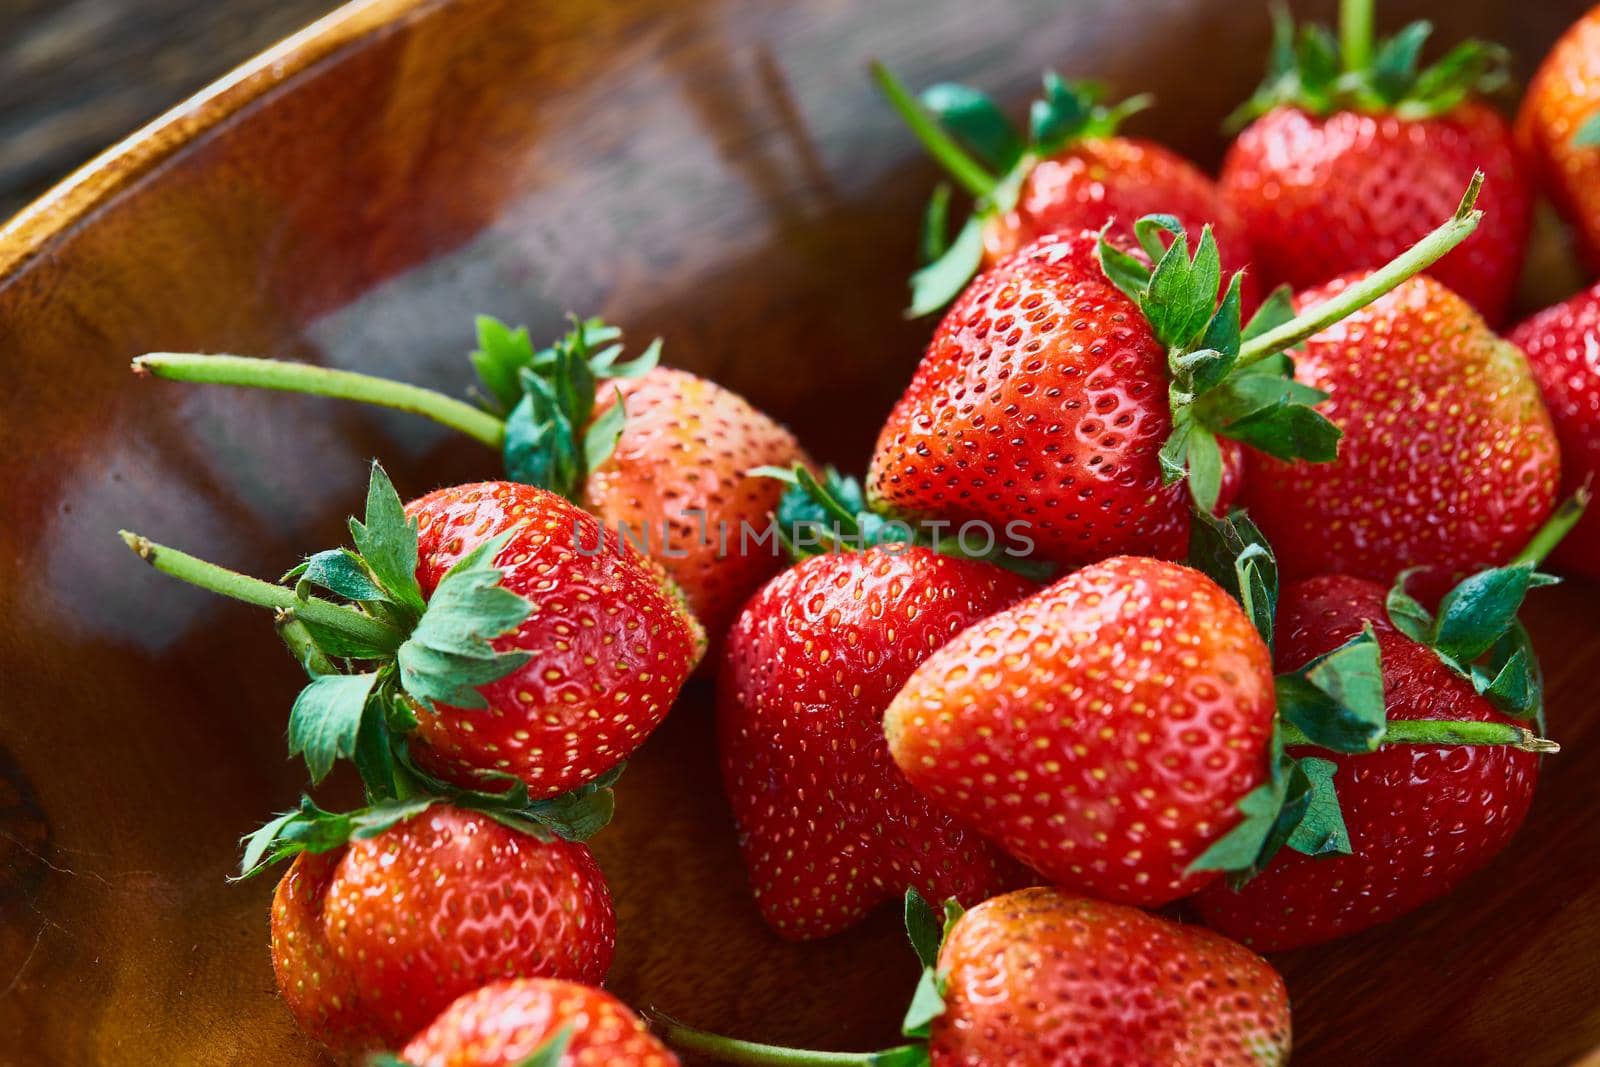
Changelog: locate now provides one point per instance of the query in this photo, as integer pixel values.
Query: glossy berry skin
(1448, 457)
(1042, 399)
(1037, 978)
(1420, 818)
(1563, 348)
(1099, 179)
(1325, 196)
(828, 826)
(679, 474)
(504, 1023)
(1562, 96)
(371, 941)
(611, 640)
(1102, 730)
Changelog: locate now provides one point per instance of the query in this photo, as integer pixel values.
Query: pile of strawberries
(1186, 568)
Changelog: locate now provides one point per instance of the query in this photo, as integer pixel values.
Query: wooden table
(77, 75)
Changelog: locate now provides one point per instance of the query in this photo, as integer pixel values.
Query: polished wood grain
(716, 172)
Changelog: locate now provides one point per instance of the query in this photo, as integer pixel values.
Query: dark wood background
(77, 75)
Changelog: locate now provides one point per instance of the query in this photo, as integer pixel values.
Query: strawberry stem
(323, 381)
(1557, 526)
(1413, 260)
(755, 1054)
(967, 172)
(1355, 34)
(1445, 732)
(197, 572)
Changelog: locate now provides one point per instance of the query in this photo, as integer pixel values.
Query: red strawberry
(828, 826)
(670, 462)
(679, 471)
(1563, 348)
(1559, 134)
(1073, 172)
(487, 627)
(505, 1023)
(1103, 730)
(1419, 817)
(1342, 169)
(1037, 978)
(376, 937)
(1071, 386)
(1448, 457)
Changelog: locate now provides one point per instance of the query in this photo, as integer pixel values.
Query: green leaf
(1174, 454)
(550, 1053)
(1125, 271)
(1223, 336)
(387, 542)
(341, 572)
(1394, 63)
(1183, 293)
(600, 440)
(913, 1055)
(258, 844)
(935, 240)
(1474, 615)
(500, 356)
(941, 281)
(1588, 133)
(1321, 831)
(977, 122)
(1235, 554)
(1271, 812)
(374, 749)
(448, 653)
(1205, 469)
(1337, 700)
(1062, 114)
(1405, 613)
(927, 1004)
(923, 928)
(326, 718)
(1147, 230)
(1275, 310)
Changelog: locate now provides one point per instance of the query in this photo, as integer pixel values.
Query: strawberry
(1071, 387)
(1103, 730)
(1563, 348)
(1039, 978)
(828, 826)
(516, 1022)
(451, 598)
(658, 455)
(1073, 172)
(1448, 457)
(1353, 154)
(388, 915)
(1417, 818)
(1558, 130)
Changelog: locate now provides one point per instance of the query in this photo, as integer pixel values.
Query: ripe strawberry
(1073, 172)
(1038, 978)
(1103, 730)
(1559, 133)
(669, 459)
(414, 904)
(452, 597)
(1353, 154)
(506, 1023)
(1563, 348)
(828, 826)
(1070, 387)
(1418, 817)
(1448, 457)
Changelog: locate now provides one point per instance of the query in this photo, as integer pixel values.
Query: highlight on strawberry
(475, 646)
(1075, 384)
(1352, 152)
(1039, 978)
(389, 914)
(659, 455)
(1072, 171)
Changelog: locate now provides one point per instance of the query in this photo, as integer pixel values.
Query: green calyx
(1311, 69)
(538, 405)
(818, 517)
(1233, 379)
(984, 153)
(1335, 703)
(552, 437)
(380, 651)
(927, 930)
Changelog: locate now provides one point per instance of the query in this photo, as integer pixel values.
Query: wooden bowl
(719, 173)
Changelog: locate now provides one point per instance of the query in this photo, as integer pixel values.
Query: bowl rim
(94, 185)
